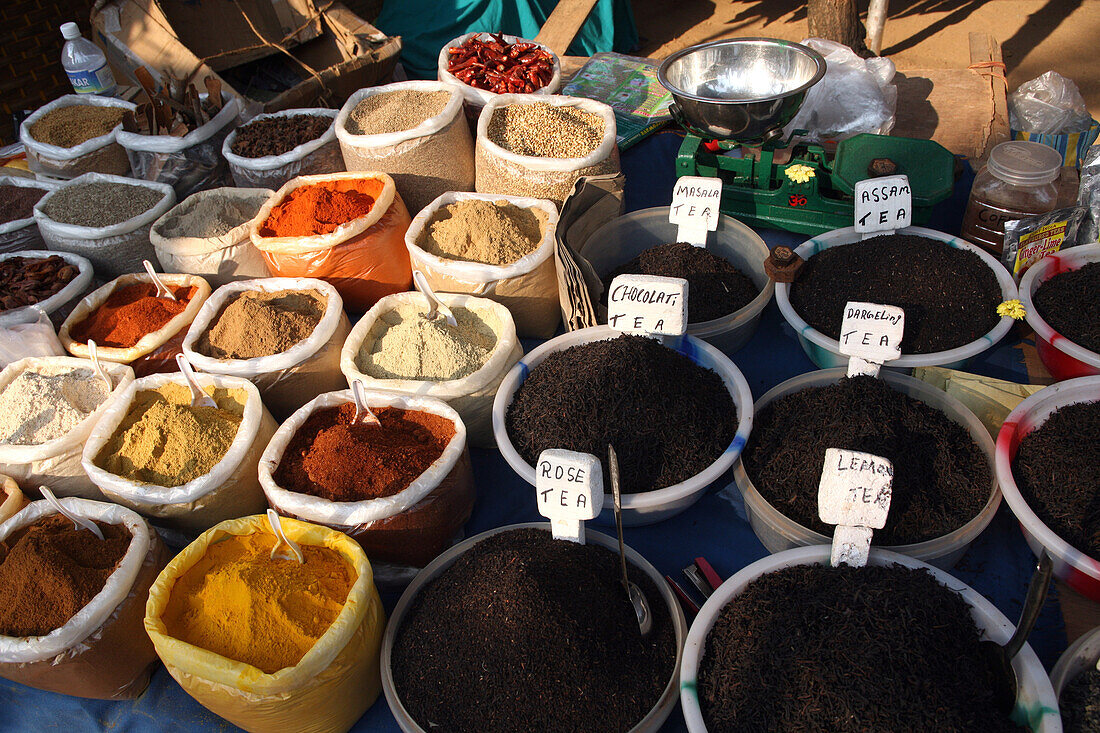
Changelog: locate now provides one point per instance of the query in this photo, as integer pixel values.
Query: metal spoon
(637, 598)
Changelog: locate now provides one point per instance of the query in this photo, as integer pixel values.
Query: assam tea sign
(883, 204)
(568, 491)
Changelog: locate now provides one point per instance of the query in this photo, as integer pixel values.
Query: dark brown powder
(258, 323)
(17, 202)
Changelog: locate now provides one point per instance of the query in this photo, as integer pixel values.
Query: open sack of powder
(186, 467)
(100, 650)
(282, 334)
(395, 348)
(402, 489)
(494, 246)
(48, 408)
(297, 645)
(282, 159)
(76, 134)
(130, 325)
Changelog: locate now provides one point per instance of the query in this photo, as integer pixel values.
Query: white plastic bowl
(777, 532)
(651, 506)
(1071, 566)
(620, 240)
(1062, 358)
(651, 723)
(825, 351)
(1036, 696)
(1079, 657)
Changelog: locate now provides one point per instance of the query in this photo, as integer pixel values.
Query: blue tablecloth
(998, 564)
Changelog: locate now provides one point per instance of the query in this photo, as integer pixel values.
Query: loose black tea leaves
(873, 649)
(667, 417)
(1079, 703)
(1069, 303)
(528, 633)
(950, 296)
(941, 476)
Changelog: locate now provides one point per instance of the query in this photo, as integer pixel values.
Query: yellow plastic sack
(333, 685)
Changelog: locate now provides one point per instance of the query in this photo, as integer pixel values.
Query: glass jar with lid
(1017, 182)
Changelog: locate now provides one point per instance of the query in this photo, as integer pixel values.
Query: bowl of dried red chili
(487, 64)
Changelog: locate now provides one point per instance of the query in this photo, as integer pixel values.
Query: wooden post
(876, 24)
(561, 27)
(836, 20)
(986, 60)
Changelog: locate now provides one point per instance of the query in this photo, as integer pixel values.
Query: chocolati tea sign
(568, 490)
(648, 304)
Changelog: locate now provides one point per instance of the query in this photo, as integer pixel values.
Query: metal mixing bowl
(742, 89)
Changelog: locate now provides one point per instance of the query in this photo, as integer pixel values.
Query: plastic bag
(190, 163)
(502, 171)
(57, 463)
(472, 396)
(408, 529)
(100, 652)
(432, 158)
(1032, 238)
(115, 249)
(12, 499)
(364, 259)
(328, 690)
(321, 155)
(476, 98)
(855, 95)
(528, 287)
(24, 340)
(21, 234)
(223, 259)
(1088, 196)
(155, 351)
(60, 304)
(229, 490)
(1048, 104)
(290, 379)
(101, 154)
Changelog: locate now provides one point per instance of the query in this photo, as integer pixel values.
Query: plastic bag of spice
(98, 154)
(432, 157)
(472, 395)
(503, 171)
(364, 258)
(56, 462)
(154, 341)
(336, 680)
(114, 249)
(228, 490)
(287, 379)
(100, 652)
(56, 306)
(21, 233)
(183, 243)
(320, 155)
(399, 532)
(528, 286)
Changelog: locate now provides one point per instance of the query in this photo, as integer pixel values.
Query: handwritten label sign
(695, 208)
(648, 304)
(854, 493)
(883, 204)
(568, 490)
(871, 334)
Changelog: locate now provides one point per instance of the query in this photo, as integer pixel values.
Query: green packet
(1031, 239)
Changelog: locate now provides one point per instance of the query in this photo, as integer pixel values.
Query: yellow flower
(799, 173)
(1011, 308)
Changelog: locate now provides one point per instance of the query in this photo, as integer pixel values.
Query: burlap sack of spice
(328, 690)
(432, 158)
(364, 258)
(57, 463)
(230, 489)
(101, 652)
(155, 351)
(400, 532)
(528, 287)
(321, 155)
(59, 305)
(472, 396)
(289, 379)
(101, 154)
(223, 259)
(502, 171)
(12, 499)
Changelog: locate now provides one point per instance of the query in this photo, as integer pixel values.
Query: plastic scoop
(277, 528)
(437, 307)
(78, 522)
(162, 289)
(363, 413)
(637, 598)
(199, 398)
(99, 370)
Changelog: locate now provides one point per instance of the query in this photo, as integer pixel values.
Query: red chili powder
(320, 208)
(336, 460)
(129, 313)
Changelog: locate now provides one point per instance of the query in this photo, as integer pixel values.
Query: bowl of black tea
(1076, 682)
(1059, 297)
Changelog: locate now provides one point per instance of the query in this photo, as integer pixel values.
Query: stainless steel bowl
(742, 89)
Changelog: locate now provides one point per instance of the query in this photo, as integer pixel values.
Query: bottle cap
(69, 31)
(1025, 162)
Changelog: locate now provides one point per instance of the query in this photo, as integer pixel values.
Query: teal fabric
(426, 25)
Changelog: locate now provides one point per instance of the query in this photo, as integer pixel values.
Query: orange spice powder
(319, 208)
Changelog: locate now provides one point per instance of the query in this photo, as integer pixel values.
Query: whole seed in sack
(50, 570)
(69, 126)
(396, 111)
(413, 347)
(258, 323)
(544, 130)
(165, 441)
(241, 603)
(319, 208)
(100, 203)
(208, 216)
(17, 202)
(278, 135)
(131, 312)
(489, 232)
(46, 403)
(25, 280)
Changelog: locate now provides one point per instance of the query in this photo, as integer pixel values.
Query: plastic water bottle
(85, 64)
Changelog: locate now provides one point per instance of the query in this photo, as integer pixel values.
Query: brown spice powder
(489, 232)
(258, 323)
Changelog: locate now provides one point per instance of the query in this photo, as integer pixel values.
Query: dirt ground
(1035, 35)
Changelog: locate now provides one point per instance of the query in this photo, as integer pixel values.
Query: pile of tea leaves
(1079, 703)
(1069, 303)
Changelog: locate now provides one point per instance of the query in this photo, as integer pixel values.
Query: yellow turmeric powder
(240, 603)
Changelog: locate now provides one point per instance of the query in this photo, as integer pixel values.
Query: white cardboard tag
(883, 204)
(854, 492)
(871, 334)
(696, 201)
(568, 490)
(648, 304)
